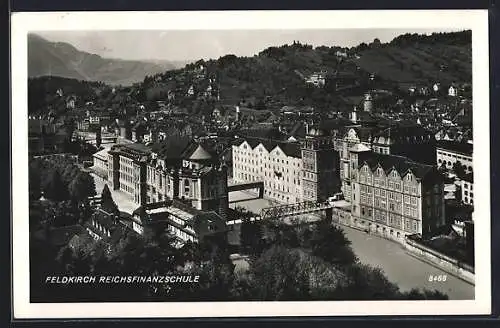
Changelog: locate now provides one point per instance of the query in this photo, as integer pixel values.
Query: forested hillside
(413, 58)
(277, 76)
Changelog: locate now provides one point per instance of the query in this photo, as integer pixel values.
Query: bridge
(297, 209)
(246, 186)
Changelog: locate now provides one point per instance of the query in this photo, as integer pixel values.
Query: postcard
(250, 163)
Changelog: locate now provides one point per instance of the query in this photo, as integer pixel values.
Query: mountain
(64, 60)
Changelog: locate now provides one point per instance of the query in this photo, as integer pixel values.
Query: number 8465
(438, 278)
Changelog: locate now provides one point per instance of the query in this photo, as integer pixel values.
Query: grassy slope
(419, 63)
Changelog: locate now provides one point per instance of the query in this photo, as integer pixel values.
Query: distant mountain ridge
(64, 60)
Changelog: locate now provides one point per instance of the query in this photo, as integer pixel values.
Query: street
(401, 268)
(124, 202)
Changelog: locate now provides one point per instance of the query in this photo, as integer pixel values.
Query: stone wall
(414, 248)
(446, 263)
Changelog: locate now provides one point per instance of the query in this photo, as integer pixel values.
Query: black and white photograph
(265, 159)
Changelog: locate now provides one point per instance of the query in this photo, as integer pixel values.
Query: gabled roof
(400, 163)
(291, 149)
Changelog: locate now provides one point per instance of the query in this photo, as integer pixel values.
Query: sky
(183, 45)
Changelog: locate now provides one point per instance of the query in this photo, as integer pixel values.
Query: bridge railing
(293, 209)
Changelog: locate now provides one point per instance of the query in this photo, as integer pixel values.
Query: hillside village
(404, 106)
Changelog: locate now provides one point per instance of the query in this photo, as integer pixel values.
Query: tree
(54, 187)
(330, 244)
(443, 167)
(459, 169)
(82, 187)
(458, 193)
(367, 283)
(425, 294)
(34, 183)
(280, 233)
(107, 202)
(250, 235)
(278, 275)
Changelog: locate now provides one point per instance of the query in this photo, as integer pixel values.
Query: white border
(22, 23)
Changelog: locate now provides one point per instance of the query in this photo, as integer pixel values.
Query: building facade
(450, 152)
(394, 196)
(467, 187)
(174, 169)
(278, 165)
(413, 142)
(292, 172)
(320, 175)
(183, 222)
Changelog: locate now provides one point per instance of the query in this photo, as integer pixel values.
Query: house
(341, 54)
(184, 222)
(424, 91)
(317, 79)
(436, 87)
(71, 102)
(452, 91)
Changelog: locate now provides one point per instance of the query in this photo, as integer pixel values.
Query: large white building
(292, 172)
(278, 165)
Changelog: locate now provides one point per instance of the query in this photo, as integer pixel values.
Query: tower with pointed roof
(320, 178)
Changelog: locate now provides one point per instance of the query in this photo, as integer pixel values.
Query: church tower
(320, 176)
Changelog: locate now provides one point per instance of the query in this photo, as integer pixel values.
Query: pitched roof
(102, 154)
(359, 147)
(264, 133)
(206, 223)
(460, 147)
(172, 148)
(291, 149)
(200, 154)
(400, 163)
